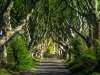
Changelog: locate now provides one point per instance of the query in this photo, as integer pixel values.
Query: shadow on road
(51, 66)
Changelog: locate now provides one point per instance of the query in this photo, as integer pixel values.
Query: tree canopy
(67, 23)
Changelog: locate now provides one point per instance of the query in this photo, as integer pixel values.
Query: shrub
(85, 58)
(70, 64)
(95, 73)
(10, 58)
(77, 67)
(20, 55)
(79, 49)
(96, 48)
(4, 72)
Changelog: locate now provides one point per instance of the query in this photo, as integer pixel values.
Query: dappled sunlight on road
(49, 66)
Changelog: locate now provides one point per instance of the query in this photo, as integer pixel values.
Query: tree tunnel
(69, 29)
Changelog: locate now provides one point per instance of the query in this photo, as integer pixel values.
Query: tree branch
(81, 35)
(10, 33)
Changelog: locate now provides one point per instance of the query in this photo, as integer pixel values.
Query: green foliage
(99, 5)
(54, 14)
(51, 50)
(77, 67)
(19, 55)
(10, 58)
(97, 52)
(97, 49)
(70, 64)
(85, 58)
(80, 48)
(20, 9)
(95, 73)
(4, 72)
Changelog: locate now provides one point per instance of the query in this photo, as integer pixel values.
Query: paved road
(49, 67)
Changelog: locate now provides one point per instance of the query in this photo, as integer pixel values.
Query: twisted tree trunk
(9, 35)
